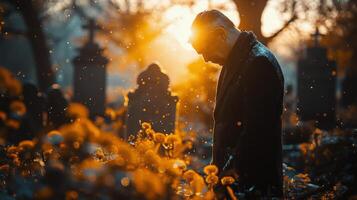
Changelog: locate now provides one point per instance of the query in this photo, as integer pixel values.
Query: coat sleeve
(262, 101)
(261, 149)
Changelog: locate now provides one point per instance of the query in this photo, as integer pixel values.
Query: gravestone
(90, 74)
(151, 102)
(349, 89)
(35, 103)
(56, 106)
(316, 89)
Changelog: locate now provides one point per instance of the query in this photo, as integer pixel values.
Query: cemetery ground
(66, 154)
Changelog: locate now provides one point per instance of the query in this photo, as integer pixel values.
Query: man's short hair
(212, 18)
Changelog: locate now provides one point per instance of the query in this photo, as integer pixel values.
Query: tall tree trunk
(250, 14)
(35, 34)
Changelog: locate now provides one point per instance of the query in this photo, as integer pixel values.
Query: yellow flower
(125, 181)
(146, 125)
(150, 133)
(89, 165)
(99, 121)
(173, 138)
(99, 154)
(54, 137)
(4, 168)
(73, 132)
(77, 110)
(318, 131)
(227, 180)
(142, 178)
(117, 163)
(189, 175)
(170, 141)
(112, 149)
(110, 113)
(71, 195)
(89, 128)
(196, 182)
(212, 179)
(18, 107)
(14, 124)
(9, 84)
(76, 145)
(26, 145)
(144, 145)
(210, 169)
(2, 116)
(44, 193)
(159, 138)
(179, 164)
(151, 158)
(12, 150)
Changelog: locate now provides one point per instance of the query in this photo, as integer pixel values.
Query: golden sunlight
(180, 18)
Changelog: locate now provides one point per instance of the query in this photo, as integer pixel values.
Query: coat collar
(235, 62)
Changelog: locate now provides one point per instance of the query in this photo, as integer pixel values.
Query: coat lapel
(235, 64)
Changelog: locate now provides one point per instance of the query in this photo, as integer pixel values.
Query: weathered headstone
(317, 87)
(151, 102)
(56, 106)
(90, 75)
(349, 89)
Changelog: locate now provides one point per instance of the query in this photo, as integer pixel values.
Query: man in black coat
(249, 103)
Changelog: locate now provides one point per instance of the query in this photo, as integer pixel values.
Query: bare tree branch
(287, 23)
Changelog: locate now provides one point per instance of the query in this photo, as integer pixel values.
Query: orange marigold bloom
(54, 137)
(144, 145)
(77, 110)
(99, 153)
(26, 144)
(212, 179)
(150, 133)
(142, 178)
(76, 145)
(179, 164)
(151, 158)
(210, 169)
(12, 123)
(159, 137)
(189, 175)
(318, 131)
(8, 83)
(110, 113)
(146, 125)
(227, 180)
(4, 168)
(117, 163)
(172, 138)
(18, 107)
(125, 181)
(2, 116)
(12, 150)
(71, 195)
(44, 193)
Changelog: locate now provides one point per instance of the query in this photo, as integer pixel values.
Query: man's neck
(231, 41)
(233, 38)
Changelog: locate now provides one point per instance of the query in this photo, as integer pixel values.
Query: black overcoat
(247, 116)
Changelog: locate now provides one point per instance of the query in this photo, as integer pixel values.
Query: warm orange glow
(181, 18)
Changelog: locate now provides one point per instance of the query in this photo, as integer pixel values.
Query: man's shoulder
(263, 60)
(261, 53)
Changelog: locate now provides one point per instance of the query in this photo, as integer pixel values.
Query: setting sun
(180, 19)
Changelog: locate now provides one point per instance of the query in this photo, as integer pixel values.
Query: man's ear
(221, 32)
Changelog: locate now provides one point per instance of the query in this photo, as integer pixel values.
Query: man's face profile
(209, 42)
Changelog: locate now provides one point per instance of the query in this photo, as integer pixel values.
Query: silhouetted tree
(30, 11)
(251, 12)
